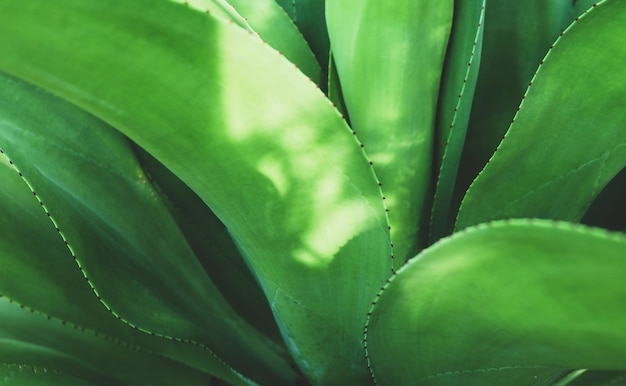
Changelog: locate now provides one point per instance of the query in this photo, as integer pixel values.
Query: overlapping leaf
(389, 57)
(309, 16)
(195, 101)
(121, 238)
(517, 36)
(213, 247)
(33, 338)
(453, 111)
(273, 25)
(568, 139)
(223, 120)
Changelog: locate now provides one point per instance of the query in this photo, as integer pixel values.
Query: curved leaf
(275, 27)
(32, 272)
(213, 246)
(310, 17)
(512, 302)
(517, 36)
(28, 336)
(389, 57)
(568, 139)
(87, 180)
(218, 8)
(458, 83)
(196, 101)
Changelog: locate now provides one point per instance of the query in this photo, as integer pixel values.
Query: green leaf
(213, 247)
(389, 57)
(218, 8)
(568, 139)
(151, 282)
(309, 16)
(517, 36)
(288, 6)
(249, 157)
(596, 378)
(458, 83)
(31, 273)
(25, 375)
(273, 25)
(334, 88)
(511, 302)
(28, 336)
(574, 10)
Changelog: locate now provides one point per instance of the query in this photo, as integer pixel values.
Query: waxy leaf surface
(389, 57)
(195, 101)
(511, 302)
(568, 139)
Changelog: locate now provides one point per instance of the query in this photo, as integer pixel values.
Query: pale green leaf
(389, 57)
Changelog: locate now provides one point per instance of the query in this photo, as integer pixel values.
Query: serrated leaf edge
(548, 224)
(96, 292)
(480, 28)
(530, 83)
(293, 24)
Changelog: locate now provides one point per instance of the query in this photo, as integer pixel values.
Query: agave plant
(339, 192)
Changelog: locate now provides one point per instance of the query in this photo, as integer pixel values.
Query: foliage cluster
(338, 192)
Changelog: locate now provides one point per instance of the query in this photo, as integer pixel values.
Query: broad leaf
(513, 302)
(194, 100)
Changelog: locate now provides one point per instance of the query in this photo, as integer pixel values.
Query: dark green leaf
(517, 36)
(455, 102)
(28, 375)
